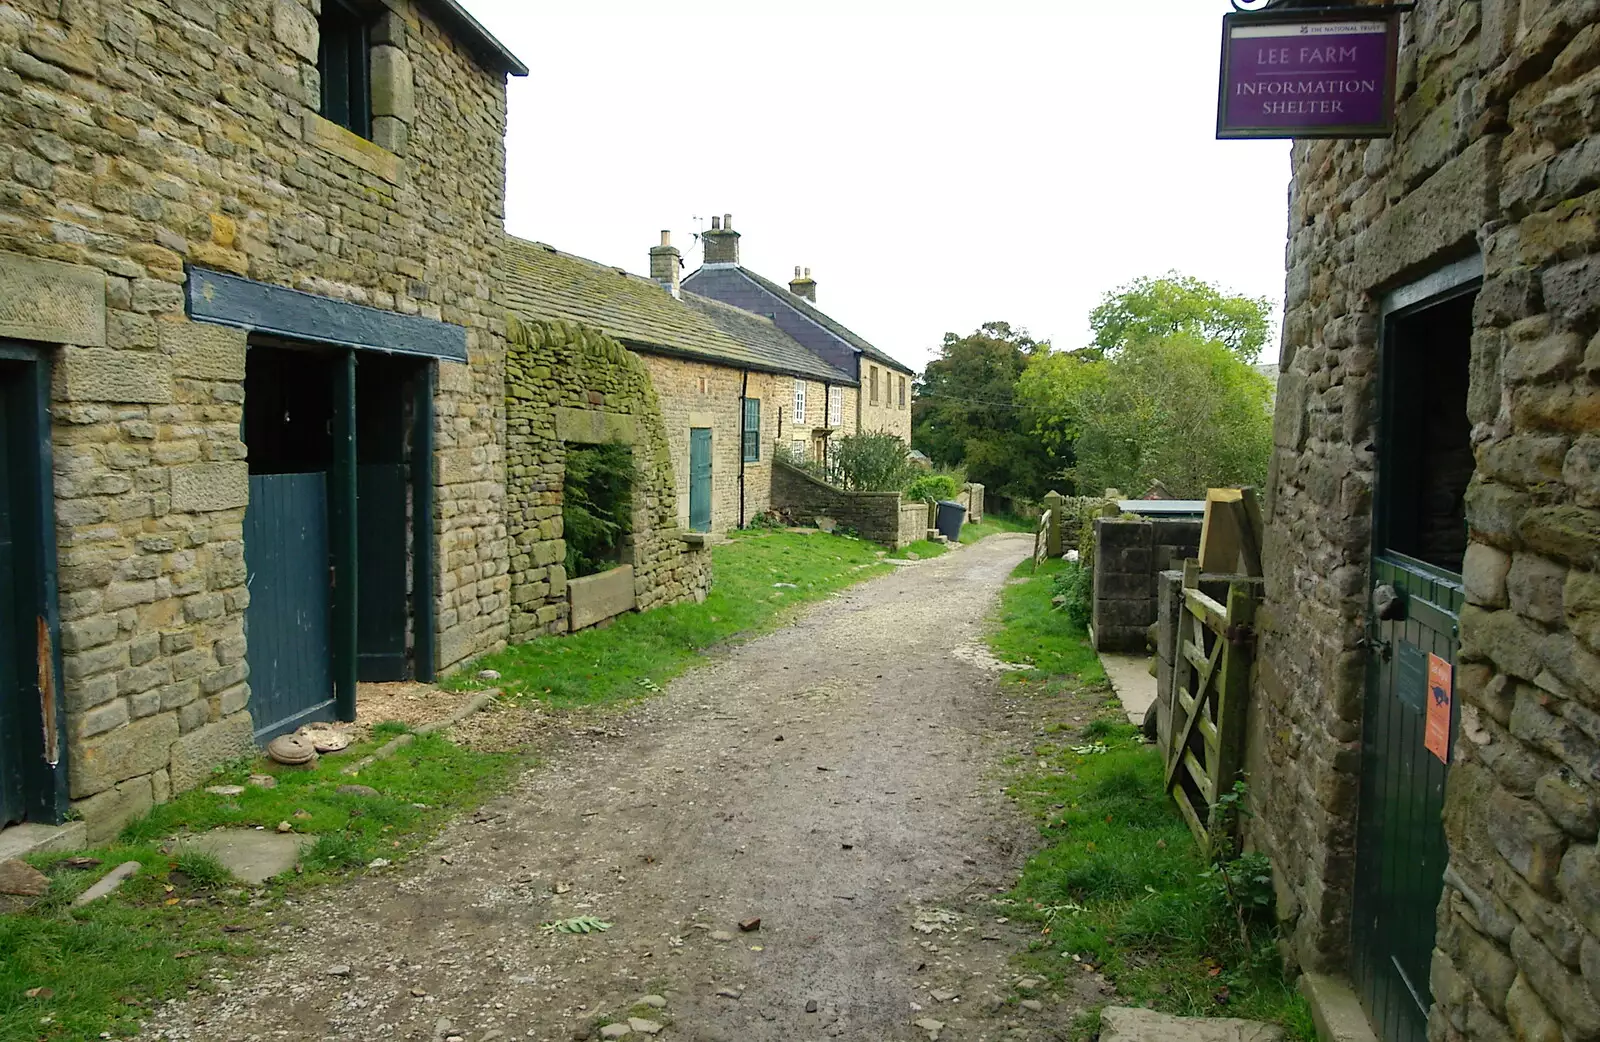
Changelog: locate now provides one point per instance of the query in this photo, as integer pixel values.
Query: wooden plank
(343, 537)
(1219, 532)
(1254, 530)
(1195, 654)
(1214, 614)
(1201, 836)
(422, 461)
(1196, 706)
(1201, 777)
(1041, 541)
(1233, 690)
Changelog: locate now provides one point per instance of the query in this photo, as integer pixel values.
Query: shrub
(1074, 592)
(872, 463)
(930, 488)
(597, 497)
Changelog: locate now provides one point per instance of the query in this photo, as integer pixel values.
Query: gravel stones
(616, 1031)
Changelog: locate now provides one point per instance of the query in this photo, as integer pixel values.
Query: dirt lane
(836, 778)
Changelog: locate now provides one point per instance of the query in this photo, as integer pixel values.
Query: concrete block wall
(1129, 554)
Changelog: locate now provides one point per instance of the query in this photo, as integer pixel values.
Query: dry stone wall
(1496, 152)
(873, 515)
(570, 384)
(142, 136)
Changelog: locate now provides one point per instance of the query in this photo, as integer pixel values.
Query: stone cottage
(252, 377)
(1425, 744)
(884, 402)
(731, 385)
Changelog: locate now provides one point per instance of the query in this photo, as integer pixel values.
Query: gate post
(1053, 502)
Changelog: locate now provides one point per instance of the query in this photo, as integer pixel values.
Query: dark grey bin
(948, 519)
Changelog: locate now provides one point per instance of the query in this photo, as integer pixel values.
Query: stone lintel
(53, 302)
(593, 427)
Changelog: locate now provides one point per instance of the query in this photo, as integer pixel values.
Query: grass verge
(73, 973)
(760, 578)
(994, 524)
(1119, 884)
(923, 548)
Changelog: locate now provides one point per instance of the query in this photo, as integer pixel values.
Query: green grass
(102, 967)
(923, 548)
(642, 651)
(1120, 883)
(993, 524)
(1033, 633)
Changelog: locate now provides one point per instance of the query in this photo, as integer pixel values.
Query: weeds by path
(1120, 885)
(101, 968)
(923, 548)
(760, 577)
(994, 524)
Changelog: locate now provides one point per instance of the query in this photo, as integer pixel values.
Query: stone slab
(252, 856)
(593, 427)
(51, 301)
(108, 883)
(352, 148)
(1131, 680)
(103, 374)
(596, 598)
(1335, 1009)
(202, 487)
(1131, 1024)
(19, 841)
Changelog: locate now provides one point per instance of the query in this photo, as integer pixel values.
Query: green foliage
(605, 665)
(930, 488)
(1149, 309)
(966, 412)
(582, 924)
(993, 524)
(1182, 411)
(597, 504)
(871, 463)
(923, 548)
(1033, 634)
(1074, 585)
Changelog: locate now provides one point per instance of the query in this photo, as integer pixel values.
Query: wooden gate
(1202, 730)
(15, 692)
(700, 479)
(289, 623)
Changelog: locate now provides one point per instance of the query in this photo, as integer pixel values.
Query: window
(874, 385)
(342, 61)
(799, 402)
(799, 450)
(751, 429)
(902, 392)
(835, 406)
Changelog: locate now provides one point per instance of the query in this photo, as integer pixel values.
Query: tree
(1165, 394)
(1155, 308)
(966, 414)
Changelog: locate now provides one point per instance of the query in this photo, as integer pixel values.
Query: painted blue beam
(289, 313)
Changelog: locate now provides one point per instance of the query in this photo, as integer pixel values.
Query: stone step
(18, 841)
(1133, 1024)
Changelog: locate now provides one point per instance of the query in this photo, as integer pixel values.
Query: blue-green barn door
(1425, 461)
(700, 479)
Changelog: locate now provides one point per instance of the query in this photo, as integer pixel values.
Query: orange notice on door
(1437, 735)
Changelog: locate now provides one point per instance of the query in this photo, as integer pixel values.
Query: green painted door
(14, 749)
(700, 479)
(1425, 461)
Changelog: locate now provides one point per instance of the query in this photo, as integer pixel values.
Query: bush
(930, 488)
(1074, 589)
(597, 497)
(872, 463)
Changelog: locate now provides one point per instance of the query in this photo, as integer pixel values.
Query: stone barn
(1424, 764)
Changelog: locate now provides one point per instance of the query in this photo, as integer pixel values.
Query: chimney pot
(797, 271)
(716, 224)
(804, 285)
(666, 237)
(722, 242)
(727, 222)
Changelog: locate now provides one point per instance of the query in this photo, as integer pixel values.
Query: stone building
(884, 402)
(245, 257)
(1433, 542)
(731, 385)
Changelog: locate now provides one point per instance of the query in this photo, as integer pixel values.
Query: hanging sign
(1436, 733)
(1307, 74)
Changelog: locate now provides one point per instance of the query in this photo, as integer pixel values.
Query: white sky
(936, 164)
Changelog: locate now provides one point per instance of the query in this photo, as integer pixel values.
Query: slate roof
(821, 318)
(542, 282)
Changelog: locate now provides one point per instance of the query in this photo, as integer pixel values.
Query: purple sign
(1314, 76)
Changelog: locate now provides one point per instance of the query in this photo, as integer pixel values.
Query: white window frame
(801, 449)
(835, 406)
(799, 403)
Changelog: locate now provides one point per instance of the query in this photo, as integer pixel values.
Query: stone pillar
(1054, 502)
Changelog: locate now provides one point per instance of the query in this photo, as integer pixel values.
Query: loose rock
(721, 936)
(644, 1027)
(22, 879)
(811, 1005)
(339, 971)
(488, 674)
(1032, 1004)
(357, 790)
(654, 1002)
(225, 790)
(729, 993)
(263, 781)
(750, 925)
(615, 1031)
(109, 882)
(945, 996)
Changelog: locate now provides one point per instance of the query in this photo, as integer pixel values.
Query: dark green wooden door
(700, 479)
(1424, 464)
(14, 690)
(289, 623)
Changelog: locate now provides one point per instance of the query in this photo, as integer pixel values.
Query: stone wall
(915, 520)
(143, 136)
(569, 384)
(872, 515)
(972, 498)
(884, 415)
(1499, 119)
(1129, 554)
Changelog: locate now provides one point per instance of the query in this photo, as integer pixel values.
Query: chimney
(666, 264)
(804, 285)
(722, 242)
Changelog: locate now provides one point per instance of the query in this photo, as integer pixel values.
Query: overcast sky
(934, 166)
